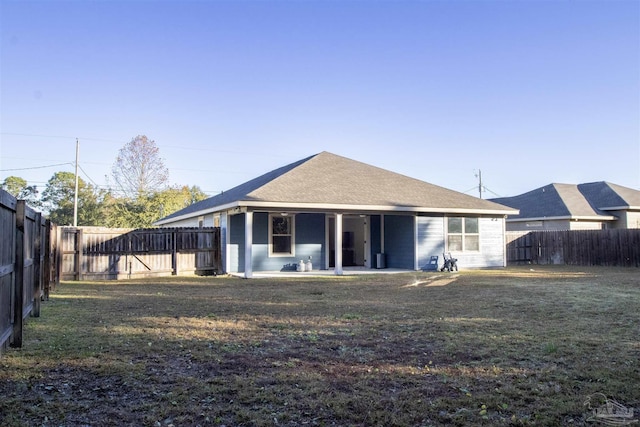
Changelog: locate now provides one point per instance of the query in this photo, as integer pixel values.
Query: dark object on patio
(450, 263)
(432, 265)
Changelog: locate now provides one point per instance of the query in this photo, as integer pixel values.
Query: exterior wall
(633, 220)
(208, 220)
(430, 239)
(399, 245)
(310, 239)
(309, 242)
(554, 225)
(538, 225)
(627, 219)
(585, 225)
(236, 243)
(492, 246)
(189, 222)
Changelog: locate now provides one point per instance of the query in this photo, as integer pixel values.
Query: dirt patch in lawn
(518, 346)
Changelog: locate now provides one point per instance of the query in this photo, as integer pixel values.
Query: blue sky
(529, 92)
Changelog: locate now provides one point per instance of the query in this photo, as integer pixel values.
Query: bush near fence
(611, 247)
(28, 266)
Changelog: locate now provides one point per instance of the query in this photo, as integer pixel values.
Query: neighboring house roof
(606, 196)
(568, 201)
(329, 181)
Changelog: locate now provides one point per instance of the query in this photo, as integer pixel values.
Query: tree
(174, 199)
(58, 197)
(146, 210)
(139, 170)
(19, 189)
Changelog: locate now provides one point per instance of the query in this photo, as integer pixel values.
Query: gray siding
(310, 238)
(492, 247)
(398, 241)
(309, 241)
(236, 243)
(430, 240)
(553, 225)
(631, 219)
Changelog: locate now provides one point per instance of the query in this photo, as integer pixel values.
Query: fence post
(37, 266)
(80, 253)
(174, 253)
(18, 288)
(59, 249)
(48, 246)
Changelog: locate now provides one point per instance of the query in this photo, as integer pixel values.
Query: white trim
(238, 207)
(415, 243)
(293, 236)
(338, 239)
(375, 208)
(504, 243)
(462, 234)
(227, 240)
(620, 208)
(568, 217)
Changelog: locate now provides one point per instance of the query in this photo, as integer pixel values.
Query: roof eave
(621, 208)
(372, 208)
(567, 217)
(212, 209)
(335, 207)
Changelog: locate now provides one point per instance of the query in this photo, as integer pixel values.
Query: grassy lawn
(503, 347)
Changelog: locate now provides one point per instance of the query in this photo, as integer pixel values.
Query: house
(339, 212)
(595, 205)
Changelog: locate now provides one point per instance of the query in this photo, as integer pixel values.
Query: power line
(36, 167)
(87, 175)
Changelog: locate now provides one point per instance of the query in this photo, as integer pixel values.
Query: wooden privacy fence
(612, 247)
(28, 265)
(97, 253)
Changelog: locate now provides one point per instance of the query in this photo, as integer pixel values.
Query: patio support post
(416, 260)
(382, 233)
(248, 244)
(338, 239)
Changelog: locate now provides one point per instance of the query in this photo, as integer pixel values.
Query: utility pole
(479, 182)
(75, 196)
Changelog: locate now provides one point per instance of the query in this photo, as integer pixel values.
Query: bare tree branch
(139, 170)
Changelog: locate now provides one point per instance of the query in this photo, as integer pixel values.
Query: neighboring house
(339, 213)
(596, 205)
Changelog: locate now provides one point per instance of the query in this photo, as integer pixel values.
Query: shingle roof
(571, 201)
(605, 195)
(329, 179)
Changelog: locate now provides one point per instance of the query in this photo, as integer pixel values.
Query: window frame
(291, 234)
(463, 234)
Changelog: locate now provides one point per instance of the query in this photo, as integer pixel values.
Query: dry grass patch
(506, 347)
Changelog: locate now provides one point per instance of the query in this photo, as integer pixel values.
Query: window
(463, 234)
(281, 238)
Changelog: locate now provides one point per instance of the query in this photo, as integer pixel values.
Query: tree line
(140, 195)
